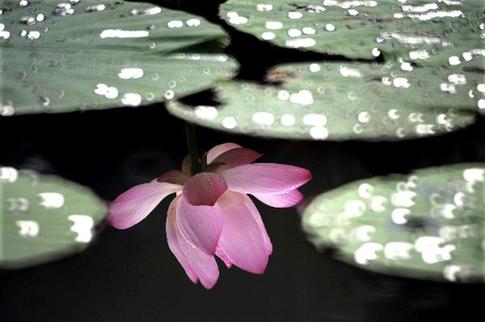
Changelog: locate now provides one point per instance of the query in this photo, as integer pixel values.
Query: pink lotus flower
(211, 213)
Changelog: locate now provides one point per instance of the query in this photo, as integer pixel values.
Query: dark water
(132, 276)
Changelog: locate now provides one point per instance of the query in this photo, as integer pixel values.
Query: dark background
(132, 276)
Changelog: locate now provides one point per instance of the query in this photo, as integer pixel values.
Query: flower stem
(193, 149)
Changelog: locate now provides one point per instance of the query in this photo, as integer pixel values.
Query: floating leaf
(43, 217)
(429, 225)
(414, 29)
(340, 101)
(65, 56)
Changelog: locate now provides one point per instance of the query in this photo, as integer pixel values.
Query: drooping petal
(200, 225)
(173, 176)
(202, 264)
(134, 205)
(236, 157)
(257, 217)
(265, 178)
(220, 253)
(280, 200)
(219, 149)
(173, 240)
(196, 263)
(204, 189)
(242, 239)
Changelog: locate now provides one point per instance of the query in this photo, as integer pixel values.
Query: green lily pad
(77, 55)
(428, 225)
(411, 30)
(342, 101)
(43, 217)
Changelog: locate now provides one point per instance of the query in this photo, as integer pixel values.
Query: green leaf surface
(428, 225)
(416, 30)
(43, 217)
(342, 101)
(76, 55)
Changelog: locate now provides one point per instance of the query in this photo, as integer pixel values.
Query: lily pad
(428, 225)
(43, 217)
(77, 55)
(342, 101)
(414, 29)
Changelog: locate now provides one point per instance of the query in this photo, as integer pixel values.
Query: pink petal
(242, 239)
(197, 264)
(173, 176)
(202, 264)
(219, 149)
(281, 200)
(200, 225)
(237, 156)
(134, 205)
(265, 178)
(220, 253)
(257, 217)
(204, 189)
(173, 241)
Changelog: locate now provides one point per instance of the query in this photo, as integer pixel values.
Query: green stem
(193, 149)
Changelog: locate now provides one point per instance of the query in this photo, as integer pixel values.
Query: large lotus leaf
(409, 29)
(65, 56)
(340, 101)
(43, 217)
(430, 224)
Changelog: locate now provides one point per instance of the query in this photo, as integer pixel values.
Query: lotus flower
(212, 214)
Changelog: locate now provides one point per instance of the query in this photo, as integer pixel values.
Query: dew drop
(268, 35)
(273, 25)
(206, 112)
(193, 22)
(375, 52)
(352, 12)
(309, 31)
(33, 35)
(481, 104)
(294, 33)
(314, 68)
(45, 101)
(28, 20)
(295, 15)
(130, 73)
(170, 94)
(363, 117)
(96, 8)
(263, 118)
(454, 60)
(229, 122)
(175, 24)
(301, 43)
(131, 99)
(63, 9)
(319, 132)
